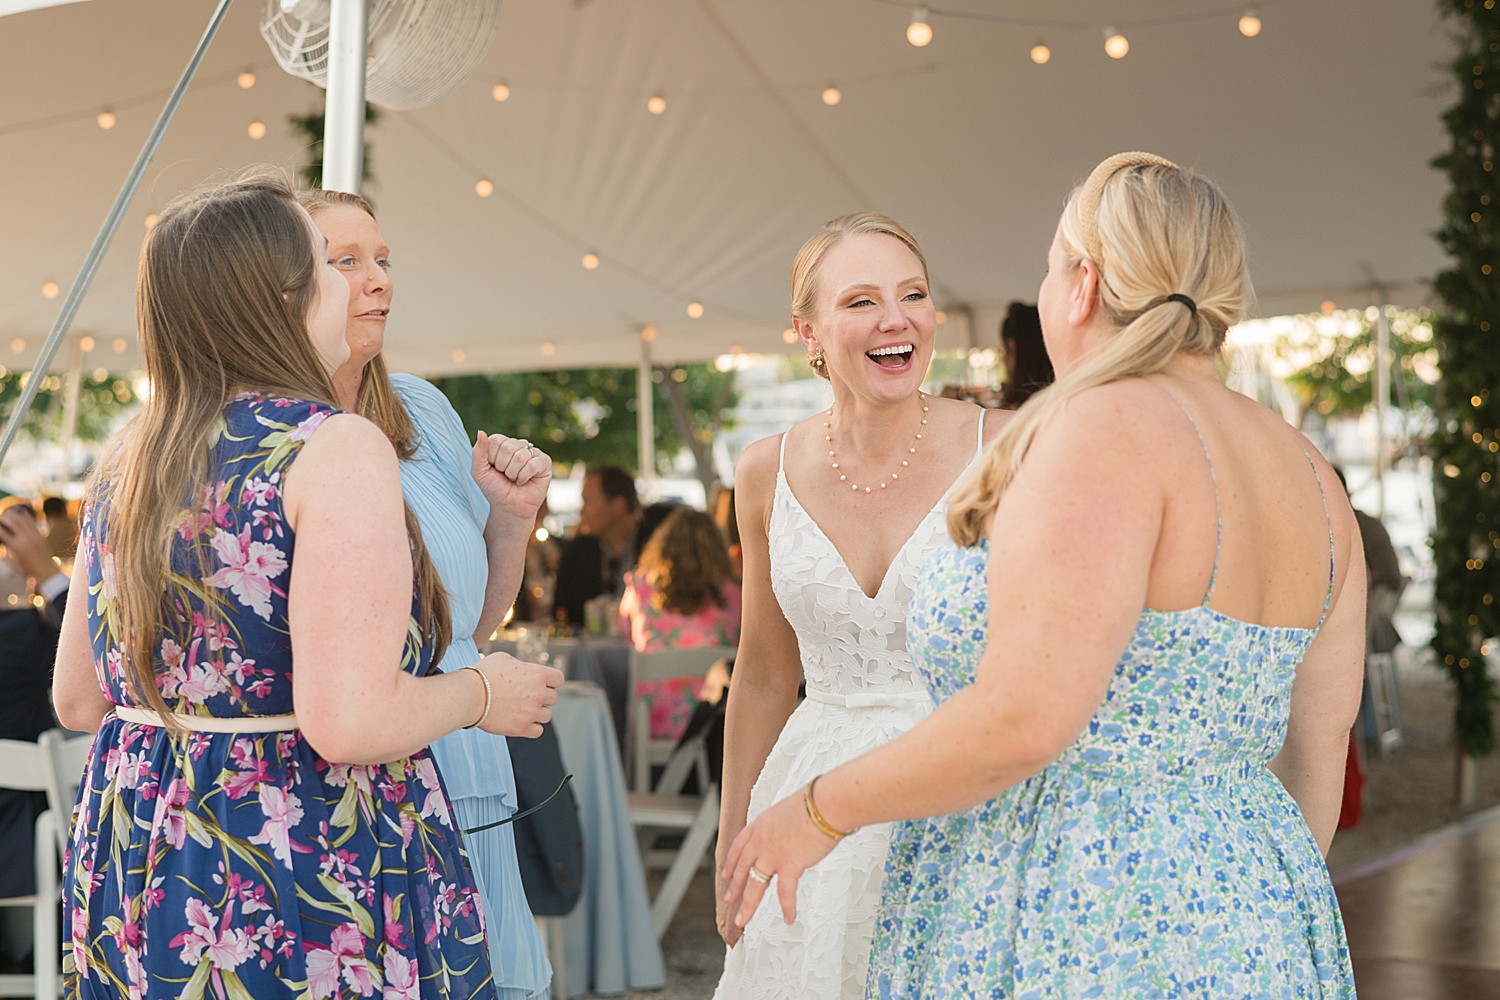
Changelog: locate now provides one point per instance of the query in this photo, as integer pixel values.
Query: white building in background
(771, 401)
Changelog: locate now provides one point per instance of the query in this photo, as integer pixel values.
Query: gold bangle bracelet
(488, 696)
(817, 817)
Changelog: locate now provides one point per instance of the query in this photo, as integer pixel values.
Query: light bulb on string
(1250, 23)
(1040, 53)
(106, 120)
(1116, 45)
(657, 104)
(460, 355)
(695, 310)
(548, 348)
(246, 80)
(50, 289)
(789, 336)
(919, 32)
(257, 130)
(590, 261)
(86, 344)
(500, 91)
(150, 220)
(118, 345)
(831, 95)
(484, 188)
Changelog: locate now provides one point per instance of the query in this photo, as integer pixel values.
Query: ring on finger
(759, 876)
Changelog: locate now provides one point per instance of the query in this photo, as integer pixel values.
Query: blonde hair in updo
(805, 265)
(1161, 230)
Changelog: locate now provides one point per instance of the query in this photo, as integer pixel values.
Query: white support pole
(1382, 399)
(645, 414)
(344, 108)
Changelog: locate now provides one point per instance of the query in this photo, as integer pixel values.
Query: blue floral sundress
(240, 866)
(1157, 857)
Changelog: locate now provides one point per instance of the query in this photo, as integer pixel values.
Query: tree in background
(1464, 445)
(588, 415)
(102, 400)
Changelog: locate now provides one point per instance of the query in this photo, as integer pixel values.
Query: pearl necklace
(922, 398)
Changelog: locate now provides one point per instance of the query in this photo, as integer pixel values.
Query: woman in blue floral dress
(246, 829)
(1128, 801)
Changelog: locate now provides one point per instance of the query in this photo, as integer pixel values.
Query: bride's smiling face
(875, 322)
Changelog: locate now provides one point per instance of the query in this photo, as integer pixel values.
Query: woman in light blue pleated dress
(478, 546)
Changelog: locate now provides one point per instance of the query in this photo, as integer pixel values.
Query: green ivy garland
(1466, 542)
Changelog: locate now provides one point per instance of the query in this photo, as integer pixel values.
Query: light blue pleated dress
(476, 765)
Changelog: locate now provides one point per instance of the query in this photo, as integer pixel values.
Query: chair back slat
(67, 757)
(23, 766)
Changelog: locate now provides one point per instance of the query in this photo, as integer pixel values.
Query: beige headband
(1093, 189)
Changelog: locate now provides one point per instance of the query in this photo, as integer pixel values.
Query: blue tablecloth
(605, 662)
(608, 942)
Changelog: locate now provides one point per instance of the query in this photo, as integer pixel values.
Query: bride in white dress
(836, 517)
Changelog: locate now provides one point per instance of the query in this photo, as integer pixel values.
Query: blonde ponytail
(1158, 233)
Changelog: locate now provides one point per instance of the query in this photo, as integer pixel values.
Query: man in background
(605, 547)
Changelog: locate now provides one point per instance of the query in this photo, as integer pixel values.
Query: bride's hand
(730, 931)
(511, 473)
(782, 842)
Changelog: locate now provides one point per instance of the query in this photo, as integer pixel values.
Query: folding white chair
(645, 751)
(24, 767)
(67, 757)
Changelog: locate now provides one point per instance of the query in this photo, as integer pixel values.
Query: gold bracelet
(487, 696)
(817, 817)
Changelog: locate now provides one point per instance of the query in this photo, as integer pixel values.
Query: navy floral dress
(240, 866)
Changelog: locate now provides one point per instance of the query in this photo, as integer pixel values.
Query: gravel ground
(1407, 794)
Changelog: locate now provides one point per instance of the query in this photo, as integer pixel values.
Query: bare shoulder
(347, 437)
(346, 451)
(1133, 411)
(755, 477)
(995, 421)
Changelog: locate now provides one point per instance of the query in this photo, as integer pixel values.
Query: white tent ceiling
(1320, 129)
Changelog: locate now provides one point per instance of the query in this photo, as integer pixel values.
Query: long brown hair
(377, 401)
(687, 561)
(1153, 229)
(225, 281)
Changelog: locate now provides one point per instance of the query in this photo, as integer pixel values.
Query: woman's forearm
(377, 726)
(761, 701)
(505, 541)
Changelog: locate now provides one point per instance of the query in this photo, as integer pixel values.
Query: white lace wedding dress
(861, 693)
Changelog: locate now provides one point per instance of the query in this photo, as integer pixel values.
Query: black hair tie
(1179, 297)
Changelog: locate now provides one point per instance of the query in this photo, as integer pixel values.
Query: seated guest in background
(681, 595)
(28, 645)
(1027, 367)
(62, 533)
(730, 527)
(653, 516)
(596, 560)
(1385, 584)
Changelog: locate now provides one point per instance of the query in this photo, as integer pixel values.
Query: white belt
(874, 699)
(208, 723)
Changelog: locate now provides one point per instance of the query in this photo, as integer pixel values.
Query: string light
(106, 120)
(1327, 307)
(590, 261)
(789, 336)
(648, 334)
(500, 92)
(1249, 23)
(86, 344)
(548, 348)
(100, 374)
(50, 289)
(459, 354)
(919, 32)
(118, 345)
(246, 80)
(150, 220)
(941, 317)
(1115, 44)
(695, 310)
(657, 104)
(831, 95)
(257, 130)
(18, 345)
(1040, 53)
(484, 188)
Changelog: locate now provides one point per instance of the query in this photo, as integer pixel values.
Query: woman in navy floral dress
(247, 830)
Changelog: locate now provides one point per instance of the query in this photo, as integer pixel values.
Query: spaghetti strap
(1323, 495)
(1218, 511)
(781, 456)
(979, 442)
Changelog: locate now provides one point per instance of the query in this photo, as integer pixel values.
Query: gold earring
(817, 359)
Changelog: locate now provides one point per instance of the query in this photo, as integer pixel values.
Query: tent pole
(106, 236)
(645, 416)
(1382, 397)
(344, 106)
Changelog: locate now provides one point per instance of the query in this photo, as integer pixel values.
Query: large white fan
(419, 50)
